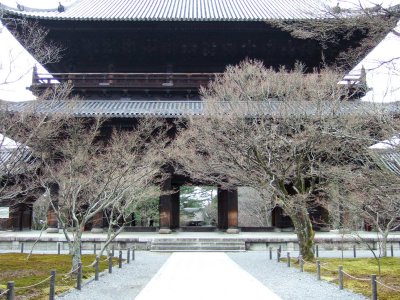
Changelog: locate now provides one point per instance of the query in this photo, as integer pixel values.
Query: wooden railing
(128, 81)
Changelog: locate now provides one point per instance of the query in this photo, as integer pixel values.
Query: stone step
(197, 245)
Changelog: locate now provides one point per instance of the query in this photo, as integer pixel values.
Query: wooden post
(52, 291)
(340, 277)
(354, 251)
(270, 253)
(79, 278)
(374, 289)
(58, 248)
(10, 292)
(391, 249)
(94, 248)
(96, 269)
(278, 255)
(120, 259)
(22, 247)
(318, 270)
(133, 253)
(288, 259)
(317, 250)
(128, 255)
(110, 264)
(301, 263)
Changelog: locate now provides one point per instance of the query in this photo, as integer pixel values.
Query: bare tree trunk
(75, 251)
(383, 243)
(304, 231)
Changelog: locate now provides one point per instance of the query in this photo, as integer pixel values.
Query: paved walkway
(205, 275)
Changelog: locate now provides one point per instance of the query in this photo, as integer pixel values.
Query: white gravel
(123, 283)
(289, 283)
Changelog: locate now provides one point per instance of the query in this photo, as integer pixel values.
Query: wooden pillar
(175, 208)
(97, 223)
(52, 222)
(166, 206)
(228, 210)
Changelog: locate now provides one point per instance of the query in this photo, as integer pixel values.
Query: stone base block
(97, 230)
(165, 231)
(52, 230)
(232, 231)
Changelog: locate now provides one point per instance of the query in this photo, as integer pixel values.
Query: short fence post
(128, 255)
(133, 253)
(10, 292)
(288, 259)
(96, 269)
(301, 263)
(374, 289)
(94, 248)
(79, 278)
(58, 248)
(340, 277)
(120, 259)
(391, 249)
(110, 264)
(52, 291)
(278, 255)
(354, 251)
(112, 251)
(318, 270)
(22, 248)
(317, 250)
(270, 253)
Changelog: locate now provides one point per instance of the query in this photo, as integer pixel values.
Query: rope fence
(340, 274)
(9, 293)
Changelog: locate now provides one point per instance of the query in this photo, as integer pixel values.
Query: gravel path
(289, 283)
(123, 283)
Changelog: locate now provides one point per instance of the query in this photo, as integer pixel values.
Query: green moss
(15, 267)
(361, 268)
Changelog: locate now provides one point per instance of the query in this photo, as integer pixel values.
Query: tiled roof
(173, 109)
(14, 161)
(183, 10)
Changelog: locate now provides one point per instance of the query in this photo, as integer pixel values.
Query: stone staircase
(196, 244)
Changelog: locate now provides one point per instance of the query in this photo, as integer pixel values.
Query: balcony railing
(188, 82)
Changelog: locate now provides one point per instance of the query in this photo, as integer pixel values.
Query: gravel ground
(125, 283)
(289, 283)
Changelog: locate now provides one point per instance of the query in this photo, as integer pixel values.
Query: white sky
(38, 4)
(16, 67)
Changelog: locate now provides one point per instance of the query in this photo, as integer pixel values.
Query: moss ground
(25, 272)
(361, 268)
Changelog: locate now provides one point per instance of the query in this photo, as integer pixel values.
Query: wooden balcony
(126, 82)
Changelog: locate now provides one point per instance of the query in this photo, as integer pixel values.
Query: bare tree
(89, 176)
(287, 151)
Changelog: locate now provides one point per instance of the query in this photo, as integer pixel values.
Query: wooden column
(175, 208)
(228, 210)
(97, 223)
(52, 222)
(166, 207)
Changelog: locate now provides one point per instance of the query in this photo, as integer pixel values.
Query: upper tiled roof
(174, 109)
(183, 10)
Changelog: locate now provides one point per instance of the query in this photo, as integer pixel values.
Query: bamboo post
(288, 259)
(96, 269)
(278, 255)
(52, 292)
(94, 248)
(318, 270)
(79, 278)
(270, 253)
(120, 259)
(374, 288)
(128, 255)
(391, 249)
(58, 248)
(354, 251)
(10, 292)
(340, 277)
(22, 247)
(301, 263)
(110, 264)
(317, 250)
(133, 253)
